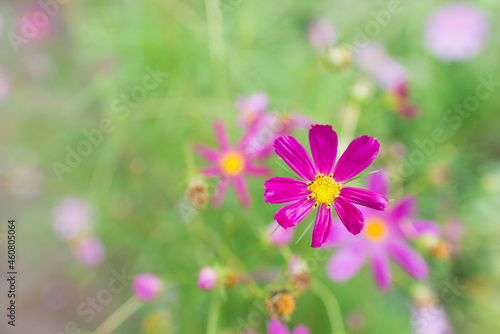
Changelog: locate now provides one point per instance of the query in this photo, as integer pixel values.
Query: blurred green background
(95, 52)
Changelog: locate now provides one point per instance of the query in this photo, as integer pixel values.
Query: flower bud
(207, 278)
(147, 287)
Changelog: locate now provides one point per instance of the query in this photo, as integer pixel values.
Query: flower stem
(332, 306)
(119, 316)
(213, 315)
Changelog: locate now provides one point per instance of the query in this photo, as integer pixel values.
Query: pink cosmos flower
(147, 287)
(72, 218)
(431, 320)
(274, 326)
(231, 164)
(383, 237)
(456, 31)
(322, 183)
(90, 251)
(207, 278)
(250, 108)
(322, 34)
(280, 236)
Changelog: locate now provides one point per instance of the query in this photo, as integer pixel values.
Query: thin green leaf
(361, 175)
(307, 229)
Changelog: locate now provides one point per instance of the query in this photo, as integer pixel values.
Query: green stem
(332, 306)
(213, 315)
(119, 316)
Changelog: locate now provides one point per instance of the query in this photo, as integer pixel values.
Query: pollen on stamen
(324, 189)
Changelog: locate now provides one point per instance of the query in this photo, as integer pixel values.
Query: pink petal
(282, 190)
(300, 329)
(339, 235)
(242, 191)
(364, 197)
(295, 156)
(378, 182)
(350, 216)
(408, 259)
(210, 171)
(221, 134)
(345, 263)
(281, 236)
(405, 208)
(274, 326)
(426, 226)
(381, 269)
(259, 171)
(322, 226)
(359, 154)
(220, 191)
(292, 213)
(323, 142)
(206, 152)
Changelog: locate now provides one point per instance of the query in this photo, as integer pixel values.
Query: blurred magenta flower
(281, 236)
(250, 108)
(322, 183)
(431, 320)
(383, 237)
(322, 34)
(72, 218)
(232, 164)
(207, 278)
(147, 287)
(456, 31)
(274, 326)
(89, 251)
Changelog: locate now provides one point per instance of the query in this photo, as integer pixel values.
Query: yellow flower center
(324, 190)
(375, 229)
(232, 163)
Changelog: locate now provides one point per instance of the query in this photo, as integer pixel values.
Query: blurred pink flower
(322, 34)
(274, 326)
(297, 265)
(383, 237)
(232, 164)
(35, 24)
(72, 218)
(147, 287)
(380, 66)
(456, 31)
(431, 320)
(281, 236)
(4, 86)
(268, 127)
(207, 278)
(453, 232)
(250, 108)
(390, 75)
(90, 251)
